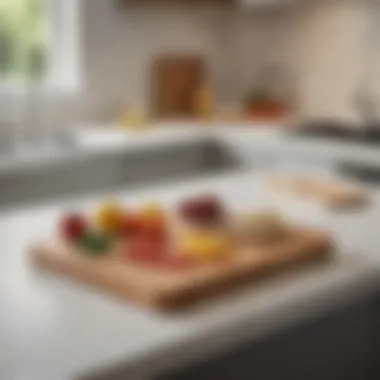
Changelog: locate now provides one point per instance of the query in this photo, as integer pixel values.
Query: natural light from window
(39, 70)
(23, 41)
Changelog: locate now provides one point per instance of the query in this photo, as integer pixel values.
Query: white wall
(332, 54)
(117, 49)
(322, 42)
(120, 46)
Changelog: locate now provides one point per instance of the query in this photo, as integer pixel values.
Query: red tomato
(145, 250)
(153, 252)
(154, 229)
(132, 225)
(72, 226)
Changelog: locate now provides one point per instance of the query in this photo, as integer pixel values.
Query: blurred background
(160, 99)
(89, 61)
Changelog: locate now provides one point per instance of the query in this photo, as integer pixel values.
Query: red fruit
(132, 225)
(150, 252)
(144, 250)
(154, 229)
(203, 209)
(72, 226)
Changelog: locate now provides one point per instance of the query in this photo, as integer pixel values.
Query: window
(39, 67)
(23, 40)
(38, 42)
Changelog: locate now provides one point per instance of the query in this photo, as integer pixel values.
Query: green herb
(96, 244)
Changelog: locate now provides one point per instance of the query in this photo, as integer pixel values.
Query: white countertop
(54, 329)
(278, 139)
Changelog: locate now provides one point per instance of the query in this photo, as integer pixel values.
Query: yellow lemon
(108, 217)
(130, 120)
(203, 102)
(203, 245)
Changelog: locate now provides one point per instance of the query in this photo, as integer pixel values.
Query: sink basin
(51, 177)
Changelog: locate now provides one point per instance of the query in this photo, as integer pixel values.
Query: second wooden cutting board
(175, 79)
(331, 193)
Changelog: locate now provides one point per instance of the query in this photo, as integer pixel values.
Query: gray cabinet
(341, 345)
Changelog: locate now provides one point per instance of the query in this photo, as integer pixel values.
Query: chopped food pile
(199, 230)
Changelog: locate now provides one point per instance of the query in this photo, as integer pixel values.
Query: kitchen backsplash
(322, 42)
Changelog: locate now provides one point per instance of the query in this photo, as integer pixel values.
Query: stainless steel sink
(89, 172)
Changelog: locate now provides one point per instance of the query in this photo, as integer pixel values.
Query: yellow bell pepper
(108, 217)
(204, 245)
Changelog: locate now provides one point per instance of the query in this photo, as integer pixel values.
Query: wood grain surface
(169, 289)
(330, 193)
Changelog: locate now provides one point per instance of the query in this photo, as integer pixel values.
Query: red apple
(205, 209)
(72, 226)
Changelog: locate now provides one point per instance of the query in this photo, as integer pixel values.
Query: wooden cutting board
(168, 289)
(174, 82)
(330, 193)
